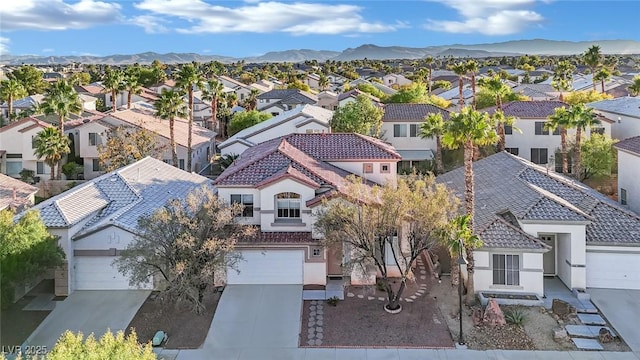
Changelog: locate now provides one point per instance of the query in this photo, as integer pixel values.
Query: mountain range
(368, 51)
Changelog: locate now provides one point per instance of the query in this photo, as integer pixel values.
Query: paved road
(622, 310)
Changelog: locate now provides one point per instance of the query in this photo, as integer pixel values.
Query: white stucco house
(624, 112)
(401, 128)
(20, 105)
(395, 79)
(97, 219)
(535, 223)
(277, 101)
(280, 182)
(533, 142)
(629, 173)
(303, 119)
(17, 148)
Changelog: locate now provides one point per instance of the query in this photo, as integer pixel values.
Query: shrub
(27, 175)
(71, 170)
(515, 316)
(380, 285)
(333, 301)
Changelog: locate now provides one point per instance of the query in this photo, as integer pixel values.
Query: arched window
(288, 205)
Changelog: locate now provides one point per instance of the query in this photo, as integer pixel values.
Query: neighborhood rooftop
(411, 112)
(530, 109)
(624, 106)
(14, 192)
(631, 145)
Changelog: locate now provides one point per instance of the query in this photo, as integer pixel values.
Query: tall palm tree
(52, 145)
(323, 82)
(212, 92)
(472, 69)
(563, 77)
(11, 90)
(429, 61)
(498, 89)
(433, 127)
(169, 106)
(602, 75)
(460, 69)
(114, 82)
(561, 119)
(187, 78)
(593, 59)
(252, 99)
(502, 121)
(583, 118)
(468, 129)
(634, 89)
(131, 83)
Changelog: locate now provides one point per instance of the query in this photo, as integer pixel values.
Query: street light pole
(461, 261)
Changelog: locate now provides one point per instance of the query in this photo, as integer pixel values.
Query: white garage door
(96, 273)
(269, 267)
(613, 270)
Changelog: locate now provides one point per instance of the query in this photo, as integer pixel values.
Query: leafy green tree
(71, 347)
(26, 251)
(31, 79)
(80, 78)
(297, 84)
(584, 97)
(598, 156)
(469, 129)
(188, 243)
(360, 116)
(398, 221)
(441, 84)
(114, 82)
(416, 93)
(11, 90)
(170, 106)
(371, 90)
(151, 76)
(634, 88)
(51, 145)
(128, 144)
(189, 77)
(245, 119)
(433, 127)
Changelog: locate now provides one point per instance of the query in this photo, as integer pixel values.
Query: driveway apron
(622, 309)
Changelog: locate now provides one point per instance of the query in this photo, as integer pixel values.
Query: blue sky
(250, 27)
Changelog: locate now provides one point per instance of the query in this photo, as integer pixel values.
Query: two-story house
(277, 101)
(303, 119)
(629, 173)
(401, 128)
(624, 112)
(280, 182)
(17, 148)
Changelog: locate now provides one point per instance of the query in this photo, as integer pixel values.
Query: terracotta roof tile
(279, 237)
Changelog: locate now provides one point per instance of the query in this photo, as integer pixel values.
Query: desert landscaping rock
(351, 294)
(493, 315)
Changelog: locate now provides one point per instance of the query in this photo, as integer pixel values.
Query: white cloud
(150, 24)
(489, 17)
(264, 17)
(57, 14)
(47, 50)
(4, 45)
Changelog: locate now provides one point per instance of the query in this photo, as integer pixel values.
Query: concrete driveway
(89, 312)
(622, 309)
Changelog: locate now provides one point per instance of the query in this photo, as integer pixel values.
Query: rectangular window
(539, 156)
(623, 196)
(33, 142)
(413, 130)
(400, 130)
(96, 165)
(506, 269)
(93, 139)
(14, 168)
(181, 164)
(13, 156)
(288, 205)
(508, 130)
(540, 130)
(514, 151)
(316, 252)
(597, 130)
(385, 168)
(246, 200)
(39, 168)
(367, 168)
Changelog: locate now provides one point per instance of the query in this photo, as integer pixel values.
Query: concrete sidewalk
(622, 310)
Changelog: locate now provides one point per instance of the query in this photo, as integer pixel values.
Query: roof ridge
(514, 228)
(238, 168)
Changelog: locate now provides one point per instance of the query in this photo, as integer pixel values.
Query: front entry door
(334, 260)
(549, 258)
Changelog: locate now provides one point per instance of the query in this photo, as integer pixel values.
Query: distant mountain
(368, 51)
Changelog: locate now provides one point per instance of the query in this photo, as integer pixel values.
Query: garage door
(269, 267)
(96, 273)
(613, 270)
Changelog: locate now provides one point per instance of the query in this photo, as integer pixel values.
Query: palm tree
(583, 118)
(11, 90)
(563, 77)
(252, 99)
(169, 106)
(634, 89)
(429, 61)
(593, 59)
(472, 68)
(563, 120)
(458, 232)
(51, 145)
(323, 82)
(498, 89)
(131, 82)
(468, 129)
(433, 127)
(461, 70)
(188, 77)
(502, 122)
(602, 75)
(212, 92)
(114, 82)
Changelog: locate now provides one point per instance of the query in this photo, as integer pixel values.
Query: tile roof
(536, 109)
(631, 145)
(282, 94)
(25, 123)
(623, 105)
(147, 119)
(411, 112)
(354, 93)
(22, 192)
(280, 237)
(507, 183)
(118, 198)
(502, 234)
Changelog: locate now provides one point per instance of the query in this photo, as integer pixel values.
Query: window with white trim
(623, 196)
(288, 205)
(539, 156)
(93, 139)
(414, 129)
(400, 130)
(506, 269)
(246, 200)
(385, 168)
(540, 129)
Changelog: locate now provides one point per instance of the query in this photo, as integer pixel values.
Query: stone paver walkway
(315, 327)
